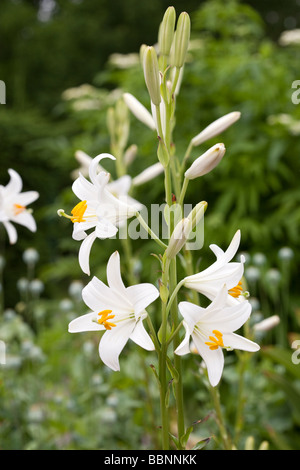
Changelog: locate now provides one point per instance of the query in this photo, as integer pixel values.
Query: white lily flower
(13, 206)
(222, 271)
(212, 329)
(99, 209)
(119, 188)
(117, 309)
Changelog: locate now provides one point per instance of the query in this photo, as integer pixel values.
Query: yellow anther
(215, 342)
(18, 209)
(104, 317)
(78, 212)
(237, 290)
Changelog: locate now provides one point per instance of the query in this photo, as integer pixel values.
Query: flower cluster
(104, 206)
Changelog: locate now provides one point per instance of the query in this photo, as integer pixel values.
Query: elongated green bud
(166, 31)
(181, 40)
(151, 73)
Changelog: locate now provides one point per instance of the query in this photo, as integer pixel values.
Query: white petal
(214, 360)
(26, 198)
(184, 347)
(98, 296)
(83, 189)
(141, 295)
(11, 232)
(15, 183)
(239, 342)
(120, 187)
(113, 342)
(94, 176)
(191, 313)
(141, 337)
(85, 323)
(105, 229)
(113, 273)
(25, 219)
(84, 252)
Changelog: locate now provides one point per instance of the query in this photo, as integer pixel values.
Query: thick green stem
(177, 359)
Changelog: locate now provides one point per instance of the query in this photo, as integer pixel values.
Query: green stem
(186, 156)
(217, 405)
(177, 359)
(183, 191)
(163, 366)
(148, 229)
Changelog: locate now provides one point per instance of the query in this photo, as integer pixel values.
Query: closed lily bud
(267, 324)
(197, 213)
(216, 127)
(179, 237)
(181, 40)
(166, 32)
(139, 110)
(206, 162)
(151, 73)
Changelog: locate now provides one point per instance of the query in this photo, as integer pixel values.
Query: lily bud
(151, 73)
(216, 127)
(197, 213)
(206, 162)
(267, 324)
(179, 237)
(181, 40)
(166, 32)
(139, 110)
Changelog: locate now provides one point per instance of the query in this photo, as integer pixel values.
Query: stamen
(104, 317)
(78, 212)
(236, 291)
(215, 342)
(18, 209)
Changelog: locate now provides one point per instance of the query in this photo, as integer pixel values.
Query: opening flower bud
(179, 237)
(206, 162)
(181, 40)
(151, 73)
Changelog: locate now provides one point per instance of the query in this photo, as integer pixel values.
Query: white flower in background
(291, 36)
(117, 309)
(99, 209)
(222, 271)
(13, 206)
(212, 329)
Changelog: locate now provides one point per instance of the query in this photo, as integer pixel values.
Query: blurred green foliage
(54, 392)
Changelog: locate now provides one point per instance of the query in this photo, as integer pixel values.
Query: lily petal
(141, 337)
(113, 342)
(141, 296)
(84, 252)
